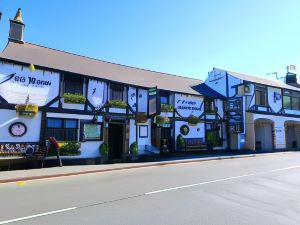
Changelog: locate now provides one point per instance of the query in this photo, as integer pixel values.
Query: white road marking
(37, 215)
(220, 180)
(153, 192)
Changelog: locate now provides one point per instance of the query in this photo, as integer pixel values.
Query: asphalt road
(257, 190)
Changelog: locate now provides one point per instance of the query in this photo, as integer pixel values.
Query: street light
(0, 15)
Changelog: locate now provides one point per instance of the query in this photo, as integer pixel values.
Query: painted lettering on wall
(41, 86)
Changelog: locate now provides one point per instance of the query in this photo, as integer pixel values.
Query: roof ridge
(118, 64)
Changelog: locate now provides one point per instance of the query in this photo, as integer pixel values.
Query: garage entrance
(264, 139)
(292, 134)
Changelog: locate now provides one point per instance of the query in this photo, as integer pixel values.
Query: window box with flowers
(27, 110)
(167, 108)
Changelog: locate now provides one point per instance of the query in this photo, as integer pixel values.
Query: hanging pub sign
(153, 102)
(235, 115)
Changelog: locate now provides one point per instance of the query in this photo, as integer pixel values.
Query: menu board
(92, 131)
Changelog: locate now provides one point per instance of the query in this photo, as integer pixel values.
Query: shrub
(104, 149)
(74, 98)
(180, 141)
(66, 149)
(212, 138)
(167, 108)
(117, 104)
(134, 150)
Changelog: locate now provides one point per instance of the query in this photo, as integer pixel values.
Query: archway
(264, 134)
(292, 134)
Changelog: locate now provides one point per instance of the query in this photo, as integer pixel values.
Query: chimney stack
(16, 31)
(291, 76)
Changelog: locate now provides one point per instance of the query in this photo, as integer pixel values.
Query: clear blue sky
(174, 36)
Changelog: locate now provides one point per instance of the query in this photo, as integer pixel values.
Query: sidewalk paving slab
(36, 174)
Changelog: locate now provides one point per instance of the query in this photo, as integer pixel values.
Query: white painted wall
(144, 142)
(194, 133)
(216, 80)
(279, 128)
(142, 100)
(8, 117)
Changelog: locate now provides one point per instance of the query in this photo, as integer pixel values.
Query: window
(62, 129)
(261, 96)
(116, 92)
(73, 84)
(209, 105)
(291, 100)
(164, 97)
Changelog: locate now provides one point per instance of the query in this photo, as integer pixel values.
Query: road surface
(256, 190)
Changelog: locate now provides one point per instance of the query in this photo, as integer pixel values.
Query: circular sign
(17, 129)
(184, 130)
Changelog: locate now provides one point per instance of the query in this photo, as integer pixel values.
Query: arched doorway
(292, 134)
(264, 134)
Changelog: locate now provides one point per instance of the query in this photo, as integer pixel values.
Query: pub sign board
(153, 102)
(17, 83)
(235, 115)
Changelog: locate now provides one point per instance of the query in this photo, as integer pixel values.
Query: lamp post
(0, 15)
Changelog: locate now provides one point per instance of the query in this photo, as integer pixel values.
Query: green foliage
(162, 120)
(193, 120)
(134, 150)
(180, 141)
(167, 108)
(66, 149)
(212, 138)
(141, 117)
(104, 149)
(74, 98)
(117, 104)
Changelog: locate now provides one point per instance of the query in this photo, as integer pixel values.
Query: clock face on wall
(17, 129)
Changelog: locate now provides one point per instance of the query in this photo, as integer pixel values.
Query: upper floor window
(116, 92)
(209, 105)
(164, 97)
(291, 100)
(73, 84)
(261, 96)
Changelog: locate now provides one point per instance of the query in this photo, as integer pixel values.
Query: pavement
(258, 190)
(46, 173)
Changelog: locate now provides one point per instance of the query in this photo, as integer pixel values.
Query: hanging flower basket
(167, 108)
(27, 110)
(193, 120)
(117, 104)
(162, 120)
(141, 117)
